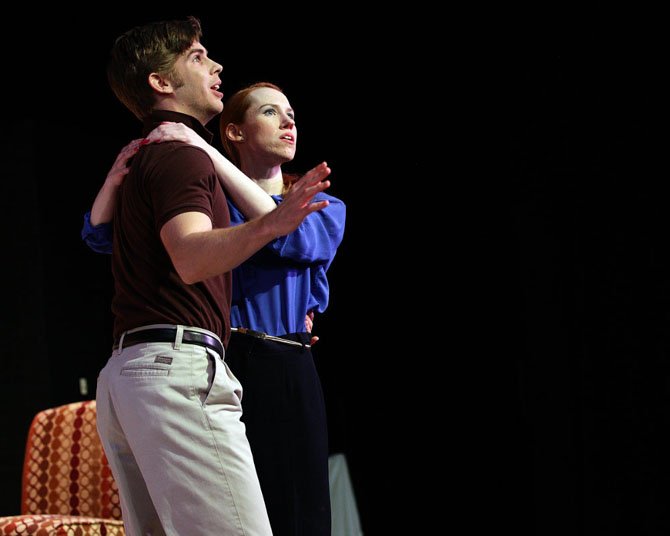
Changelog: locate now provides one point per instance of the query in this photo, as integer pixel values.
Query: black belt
(283, 340)
(169, 335)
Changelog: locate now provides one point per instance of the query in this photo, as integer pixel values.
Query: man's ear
(160, 83)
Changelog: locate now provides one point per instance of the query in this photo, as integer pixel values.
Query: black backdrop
(495, 349)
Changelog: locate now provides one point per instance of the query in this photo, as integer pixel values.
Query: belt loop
(123, 336)
(178, 337)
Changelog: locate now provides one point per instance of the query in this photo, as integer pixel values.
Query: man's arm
(199, 252)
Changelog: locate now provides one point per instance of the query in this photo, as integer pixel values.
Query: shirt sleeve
(97, 237)
(317, 238)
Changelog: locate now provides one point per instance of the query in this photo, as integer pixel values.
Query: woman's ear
(233, 133)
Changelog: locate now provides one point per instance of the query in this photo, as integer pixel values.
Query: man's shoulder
(179, 155)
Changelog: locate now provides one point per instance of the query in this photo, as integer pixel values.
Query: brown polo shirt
(166, 179)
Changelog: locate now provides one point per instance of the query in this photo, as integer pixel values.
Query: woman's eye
(269, 111)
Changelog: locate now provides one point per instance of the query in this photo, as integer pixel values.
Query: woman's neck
(270, 180)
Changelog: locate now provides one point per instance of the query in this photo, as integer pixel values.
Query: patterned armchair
(67, 486)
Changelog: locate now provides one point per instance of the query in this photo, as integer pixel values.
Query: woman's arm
(102, 210)
(97, 229)
(317, 238)
(250, 198)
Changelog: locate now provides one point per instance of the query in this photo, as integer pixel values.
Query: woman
(275, 294)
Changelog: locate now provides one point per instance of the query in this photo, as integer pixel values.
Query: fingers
(317, 205)
(309, 324)
(309, 188)
(120, 167)
(311, 191)
(309, 321)
(314, 175)
(168, 131)
(155, 136)
(131, 148)
(320, 172)
(318, 187)
(301, 199)
(128, 151)
(134, 145)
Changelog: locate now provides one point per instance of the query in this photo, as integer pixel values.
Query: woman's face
(269, 130)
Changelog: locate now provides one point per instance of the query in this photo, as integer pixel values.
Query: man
(168, 405)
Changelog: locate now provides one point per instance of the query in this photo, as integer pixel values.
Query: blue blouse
(275, 288)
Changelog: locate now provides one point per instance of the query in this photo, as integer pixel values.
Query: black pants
(284, 413)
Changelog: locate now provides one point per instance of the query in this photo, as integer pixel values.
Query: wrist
(114, 180)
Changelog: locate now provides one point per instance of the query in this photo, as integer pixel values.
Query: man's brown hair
(146, 49)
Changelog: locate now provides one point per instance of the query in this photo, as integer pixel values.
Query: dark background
(495, 352)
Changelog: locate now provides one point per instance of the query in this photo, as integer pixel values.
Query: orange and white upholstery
(67, 485)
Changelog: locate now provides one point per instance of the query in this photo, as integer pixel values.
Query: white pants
(169, 419)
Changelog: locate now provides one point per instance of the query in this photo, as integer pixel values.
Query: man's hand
(297, 203)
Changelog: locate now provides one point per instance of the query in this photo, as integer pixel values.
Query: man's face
(196, 84)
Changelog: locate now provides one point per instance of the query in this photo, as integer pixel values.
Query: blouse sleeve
(97, 237)
(317, 238)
